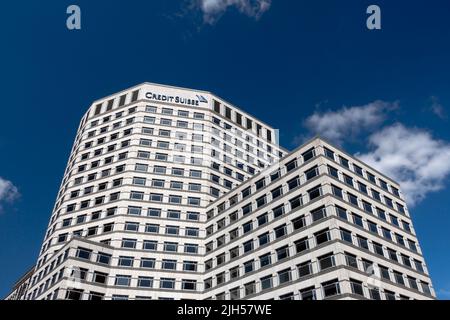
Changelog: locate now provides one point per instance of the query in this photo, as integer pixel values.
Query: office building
(173, 193)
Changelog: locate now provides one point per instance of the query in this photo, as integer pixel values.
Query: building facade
(172, 193)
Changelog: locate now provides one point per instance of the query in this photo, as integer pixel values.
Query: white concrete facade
(170, 193)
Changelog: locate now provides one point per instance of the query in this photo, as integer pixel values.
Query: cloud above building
(8, 192)
(419, 162)
(213, 9)
(348, 122)
(412, 157)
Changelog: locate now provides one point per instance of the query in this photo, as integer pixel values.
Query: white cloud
(412, 157)
(437, 108)
(348, 122)
(8, 192)
(213, 9)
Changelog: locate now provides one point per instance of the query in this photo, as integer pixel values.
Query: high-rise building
(173, 193)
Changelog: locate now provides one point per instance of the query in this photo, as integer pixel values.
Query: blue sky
(302, 66)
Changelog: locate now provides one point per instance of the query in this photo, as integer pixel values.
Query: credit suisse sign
(176, 99)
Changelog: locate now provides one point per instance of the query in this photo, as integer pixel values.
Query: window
(367, 207)
(265, 260)
(189, 266)
(333, 172)
(358, 170)
(348, 180)
(131, 226)
(395, 191)
(246, 192)
(296, 202)
(250, 288)
(158, 183)
(156, 197)
(293, 183)
(399, 239)
(329, 154)
(299, 222)
(135, 195)
(341, 212)
(248, 246)
(99, 277)
(74, 294)
(129, 243)
(372, 227)
(262, 219)
(83, 253)
(362, 187)
(151, 228)
(357, 220)
(172, 230)
(346, 235)
(168, 264)
(318, 214)
(389, 295)
(103, 258)
(350, 260)
(284, 276)
(280, 231)
(378, 248)
(193, 201)
(190, 248)
(337, 191)
(362, 242)
(326, 261)
(247, 209)
(399, 278)
(356, 287)
(266, 282)
(122, 280)
(125, 261)
(261, 201)
(331, 288)
(260, 183)
(278, 211)
(344, 162)
(277, 192)
(282, 252)
(352, 199)
(148, 263)
(384, 272)
(308, 155)
(322, 236)
(376, 195)
(188, 284)
(247, 227)
(264, 239)
(145, 282)
(275, 175)
(249, 266)
(308, 294)
(301, 245)
(171, 246)
(167, 283)
(315, 192)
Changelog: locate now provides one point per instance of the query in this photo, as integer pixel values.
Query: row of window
(348, 180)
(369, 209)
(198, 128)
(361, 172)
(263, 183)
(378, 230)
(380, 250)
(379, 271)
